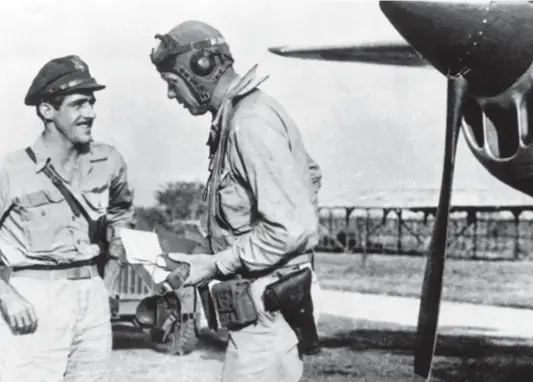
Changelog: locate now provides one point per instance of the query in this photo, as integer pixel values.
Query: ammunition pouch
(291, 295)
(233, 302)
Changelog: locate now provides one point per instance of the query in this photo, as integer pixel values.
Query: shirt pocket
(44, 216)
(96, 199)
(234, 205)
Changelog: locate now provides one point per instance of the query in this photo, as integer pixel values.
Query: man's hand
(202, 267)
(114, 262)
(117, 251)
(18, 313)
(114, 306)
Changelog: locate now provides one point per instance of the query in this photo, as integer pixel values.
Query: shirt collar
(239, 87)
(42, 154)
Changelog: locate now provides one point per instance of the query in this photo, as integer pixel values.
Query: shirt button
(78, 241)
(43, 213)
(73, 217)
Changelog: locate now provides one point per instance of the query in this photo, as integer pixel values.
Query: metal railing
(476, 235)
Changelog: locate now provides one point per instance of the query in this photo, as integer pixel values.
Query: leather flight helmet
(196, 52)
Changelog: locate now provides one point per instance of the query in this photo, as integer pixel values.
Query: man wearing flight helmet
(262, 194)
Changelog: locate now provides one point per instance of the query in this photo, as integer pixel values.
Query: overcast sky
(368, 126)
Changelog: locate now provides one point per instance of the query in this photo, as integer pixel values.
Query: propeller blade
(400, 54)
(426, 336)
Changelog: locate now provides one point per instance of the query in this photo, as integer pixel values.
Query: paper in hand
(143, 248)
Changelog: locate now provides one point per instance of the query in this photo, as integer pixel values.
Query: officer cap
(61, 75)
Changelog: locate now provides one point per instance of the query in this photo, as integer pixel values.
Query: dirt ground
(353, 350)
(360, 350)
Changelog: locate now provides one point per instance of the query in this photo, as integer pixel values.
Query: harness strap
(73, 203)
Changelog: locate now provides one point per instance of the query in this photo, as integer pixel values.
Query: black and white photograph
(266, 191)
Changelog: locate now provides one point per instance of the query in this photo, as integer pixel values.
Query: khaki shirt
(267, 196)
(40, 227)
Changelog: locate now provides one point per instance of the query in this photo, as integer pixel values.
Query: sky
(370, 127)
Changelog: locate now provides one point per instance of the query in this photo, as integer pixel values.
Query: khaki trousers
(73, 338)
(266, 351)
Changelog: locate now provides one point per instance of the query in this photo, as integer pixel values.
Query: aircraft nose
(488, 43)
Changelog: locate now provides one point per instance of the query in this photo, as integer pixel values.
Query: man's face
(178, 89)
(74, 118)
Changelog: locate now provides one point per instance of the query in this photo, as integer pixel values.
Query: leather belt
(75, 272)
(294, 264)
(303, 258)
(292, 268)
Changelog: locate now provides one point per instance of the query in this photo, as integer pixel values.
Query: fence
(472, 234)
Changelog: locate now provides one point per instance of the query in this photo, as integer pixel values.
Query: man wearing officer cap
(262, 193)
(56, 314)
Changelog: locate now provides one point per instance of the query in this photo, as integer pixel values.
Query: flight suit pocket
(43, 215)
(234, 203)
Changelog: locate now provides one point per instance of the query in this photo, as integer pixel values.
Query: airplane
(486, 53)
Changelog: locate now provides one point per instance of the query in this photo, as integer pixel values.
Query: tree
(147, 218)
(175, 201)
(182, 200)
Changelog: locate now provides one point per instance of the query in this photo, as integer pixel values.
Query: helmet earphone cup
(202, 63)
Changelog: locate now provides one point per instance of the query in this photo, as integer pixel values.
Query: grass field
(501, 283)
(363, 351)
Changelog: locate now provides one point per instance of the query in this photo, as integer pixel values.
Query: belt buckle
(79, 273)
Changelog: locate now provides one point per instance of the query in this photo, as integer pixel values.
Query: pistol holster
(291, 295)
